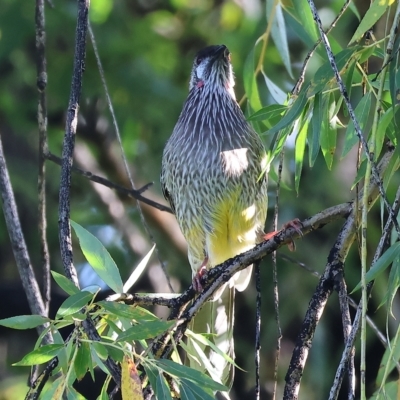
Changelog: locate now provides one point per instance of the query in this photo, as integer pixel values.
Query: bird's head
(212, 70)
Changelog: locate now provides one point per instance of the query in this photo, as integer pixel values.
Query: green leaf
(196, 390)
(278, 32)
(100, 350)
(134, 313)
(64, 283)
(324, 78)
(389, 359)
(152, 373)
(270, 115)
(99, 258)
(387, 392)
(293, 112)
(362, 114)
(299, 151)
(250, 83)
(74, 304)
(81, 362)
(40, 355)
(145, 330)
(183, 372)
(328, 132)
(381, 264)
(186, 393)
(382, 131)
(162, 390)
(55, 391)
(24, 321)
(315, 129)
(375, 11)
(393, 285)
(278, 94)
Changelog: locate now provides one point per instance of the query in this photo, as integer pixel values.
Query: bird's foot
(197, 285)
(295, 224)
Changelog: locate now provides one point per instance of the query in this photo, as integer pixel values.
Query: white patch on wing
(234, 161)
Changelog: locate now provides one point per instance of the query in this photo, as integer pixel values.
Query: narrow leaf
(268, 113)
(74, 304)
(81, 363)
(277, 93)
(374, 12)
(328, 132)
(64, 283)
(362, 113)
(134, 313)
(182, 371)
(99, 258)
(162, 390)
(131, 386)
(250, 83)
(137, 272)
(383, 262)
(278, 32)
(197, 390)
(293, 112)
(40, 355)
(145, 330)
(24, 321)
(299, 152)
(314, 132)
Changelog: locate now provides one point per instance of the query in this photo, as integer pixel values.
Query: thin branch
(334, 266)
(125, 162)
(343, 91)
(135, 194)
(19, 247)
(42, 122)
(66, 168)
(258, 329)
(69, 143)
(300, 81)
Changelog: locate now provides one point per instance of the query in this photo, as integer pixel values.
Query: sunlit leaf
(134, 313)
(250, 83)
(299, 151)
(99, 258)
(24, 321)
(64, 283)
(131, 386)
(182, 372)
(328, 132)
(145, 330)
(137, 272)
(374, 12)
(74, 303)
(40, 355)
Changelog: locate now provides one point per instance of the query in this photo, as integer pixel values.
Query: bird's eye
(198, 60)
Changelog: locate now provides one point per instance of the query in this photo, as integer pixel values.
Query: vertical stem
(69, 142)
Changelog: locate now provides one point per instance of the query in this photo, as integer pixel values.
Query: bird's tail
(216, 319)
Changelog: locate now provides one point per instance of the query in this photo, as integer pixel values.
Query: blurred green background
(147, 48)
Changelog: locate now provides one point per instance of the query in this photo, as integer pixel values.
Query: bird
(214, 176)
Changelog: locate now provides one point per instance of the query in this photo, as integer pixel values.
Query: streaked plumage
(214, 177)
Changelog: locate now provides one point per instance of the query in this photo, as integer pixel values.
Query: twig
(258, 329)
(300, 81)
(135, 194)
(66, 168)
(69, 142)
(42, 122)
(125, 162)
(334, 392)
(350, 109)
(19, 247)
(334, 266)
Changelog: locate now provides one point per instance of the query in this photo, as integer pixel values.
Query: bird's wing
(166, 192)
